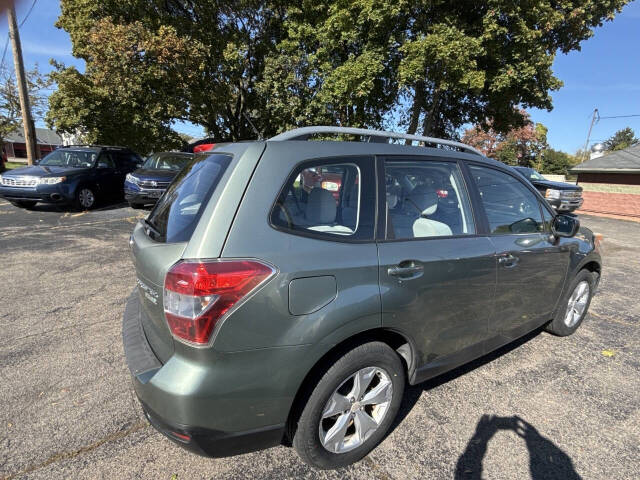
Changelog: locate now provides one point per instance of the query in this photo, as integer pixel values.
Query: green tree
(336, 63)
(132, 89)
(556, 162)
(435, 65)
(622, 139)
(429, 66)
(150, 63)
(513, 49)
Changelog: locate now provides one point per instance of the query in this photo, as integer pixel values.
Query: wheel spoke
(335, 436)
(574, 296)
(577, 304)
(361, 381)
(582, 290)
(381, 393)
(337, 404)
(364, 424)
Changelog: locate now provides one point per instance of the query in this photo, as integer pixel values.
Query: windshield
(70, 158)
(166, 161)
(530, 173)
(175, 216)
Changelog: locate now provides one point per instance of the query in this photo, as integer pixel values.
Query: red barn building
(15, 146)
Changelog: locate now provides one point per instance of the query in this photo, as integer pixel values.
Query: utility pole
(27, 121)
(596, 115)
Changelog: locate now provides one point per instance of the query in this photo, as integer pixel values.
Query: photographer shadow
(546, 460)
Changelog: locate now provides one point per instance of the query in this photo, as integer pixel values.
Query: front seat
(425, 200)
(321, 213)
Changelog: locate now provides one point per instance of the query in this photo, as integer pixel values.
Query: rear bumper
(178, 390)
(215, 443)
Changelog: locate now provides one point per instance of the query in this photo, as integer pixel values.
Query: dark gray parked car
(269, 313)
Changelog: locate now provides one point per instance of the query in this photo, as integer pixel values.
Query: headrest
(425, 199)
(321, 207)
(392, 200)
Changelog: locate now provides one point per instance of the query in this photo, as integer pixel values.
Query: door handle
(406, 270)
(508, 260)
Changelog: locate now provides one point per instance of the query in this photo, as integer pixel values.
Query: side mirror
(103, 165)
(565, 226)
(526, 225)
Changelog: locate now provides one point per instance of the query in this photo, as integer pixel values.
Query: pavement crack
(86, 449)
(57, 309)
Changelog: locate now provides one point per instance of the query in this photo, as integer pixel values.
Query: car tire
(85, 198)
(575, 304)
(327, 441)
(24, 203)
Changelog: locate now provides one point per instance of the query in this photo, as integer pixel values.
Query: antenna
(253, 126)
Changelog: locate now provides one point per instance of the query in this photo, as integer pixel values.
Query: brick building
(15, 146)
(611, 182)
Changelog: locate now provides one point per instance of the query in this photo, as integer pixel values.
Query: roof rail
(87, 145)
(372, 136)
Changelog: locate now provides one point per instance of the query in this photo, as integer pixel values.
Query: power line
(621, 116)
(28, 13)
(6, 44)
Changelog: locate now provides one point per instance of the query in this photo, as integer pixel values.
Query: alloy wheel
(577, 304)
(355, 410)
(86, 198)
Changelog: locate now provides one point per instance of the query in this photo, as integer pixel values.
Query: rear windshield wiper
(153, 228)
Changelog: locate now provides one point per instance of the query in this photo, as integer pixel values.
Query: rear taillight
(198, 294)
(442, 193)
(331, 186)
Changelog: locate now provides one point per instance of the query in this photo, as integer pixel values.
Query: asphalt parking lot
(547, 407)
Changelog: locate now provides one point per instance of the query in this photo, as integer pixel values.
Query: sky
(604, 74)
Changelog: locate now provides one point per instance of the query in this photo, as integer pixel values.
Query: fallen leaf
(608, 353)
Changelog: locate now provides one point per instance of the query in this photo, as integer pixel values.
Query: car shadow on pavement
(546, 460)
(413, 392)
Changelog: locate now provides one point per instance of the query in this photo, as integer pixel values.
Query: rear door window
(175, 216)
(125, 160)
(105, 161)
(335, 200)
(426, 198)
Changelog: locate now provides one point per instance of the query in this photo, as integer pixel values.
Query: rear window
(175, 216)
(167, 161)
(326, 199)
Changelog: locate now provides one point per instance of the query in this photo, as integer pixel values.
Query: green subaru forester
(289, 289)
